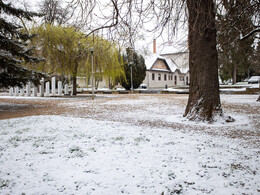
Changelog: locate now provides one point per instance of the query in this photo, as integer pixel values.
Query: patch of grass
(4, 183)
(4, 132)
(93, 149)
(15, 141)
(36, 145)
(76, 151)
(22, 131)
(139, 139)
(171, 176)
(176, 190)
(118, 138)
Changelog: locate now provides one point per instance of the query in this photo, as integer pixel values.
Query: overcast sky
(145, 41)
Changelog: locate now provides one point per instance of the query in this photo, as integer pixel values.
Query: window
(171, 77)
(159, 77)
(181, 78)
(165, 77)
(153, 76)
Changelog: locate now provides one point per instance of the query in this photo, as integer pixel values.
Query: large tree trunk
(74, 85)
(204, 100)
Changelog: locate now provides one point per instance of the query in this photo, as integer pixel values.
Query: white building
(168, 68)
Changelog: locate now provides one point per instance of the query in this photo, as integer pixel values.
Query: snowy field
(127, 144)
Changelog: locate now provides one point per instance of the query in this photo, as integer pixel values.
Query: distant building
(168, 68)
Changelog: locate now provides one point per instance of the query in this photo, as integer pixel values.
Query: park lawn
(127, 144)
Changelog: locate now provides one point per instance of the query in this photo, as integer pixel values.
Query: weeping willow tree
(67, 52)
(64, 48)
(108, 62)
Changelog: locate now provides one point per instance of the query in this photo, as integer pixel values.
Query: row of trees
(57, 49)
(204, 101)
(237, 59)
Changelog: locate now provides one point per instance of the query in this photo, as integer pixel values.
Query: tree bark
(74, 85)
(204, 99)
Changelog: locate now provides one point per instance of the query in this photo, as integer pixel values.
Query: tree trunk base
(205, 112)
(217, 116)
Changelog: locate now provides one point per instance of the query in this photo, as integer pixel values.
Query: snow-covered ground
(131, 144)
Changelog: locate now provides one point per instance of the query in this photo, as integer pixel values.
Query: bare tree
(54, 12)
(204, 100)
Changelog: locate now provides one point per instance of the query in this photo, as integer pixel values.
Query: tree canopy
(67, 52)
(236, 57)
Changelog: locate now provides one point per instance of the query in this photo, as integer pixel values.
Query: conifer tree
(14, 49)
(138, 69)
(235, 56)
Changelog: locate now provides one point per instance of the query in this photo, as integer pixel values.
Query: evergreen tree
(235, 56)
(14, 50)
(138, 69)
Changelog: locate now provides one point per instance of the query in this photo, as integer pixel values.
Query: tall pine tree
(14, 49)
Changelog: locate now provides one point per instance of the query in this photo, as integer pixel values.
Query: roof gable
(170, 62)
(160, 64)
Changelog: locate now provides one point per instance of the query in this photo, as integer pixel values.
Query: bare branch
(256, 30)
(115, 19)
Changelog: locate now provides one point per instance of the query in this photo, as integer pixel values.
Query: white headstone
(53, 84)
(41, 88)
(22, 91)
(11, 91)
(34, 91)
(66, 89)
(47, 86)
(16, 91)
(59, 88)
(28, 89)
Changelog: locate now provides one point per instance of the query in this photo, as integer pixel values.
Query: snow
(175, 59)
(240, 120)
(162, 70)
(150, 59)
(240, 99)
(176, 90)
(171, 64)
(233, 89)
(111, 154)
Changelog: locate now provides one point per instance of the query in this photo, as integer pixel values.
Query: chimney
(154, 46)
